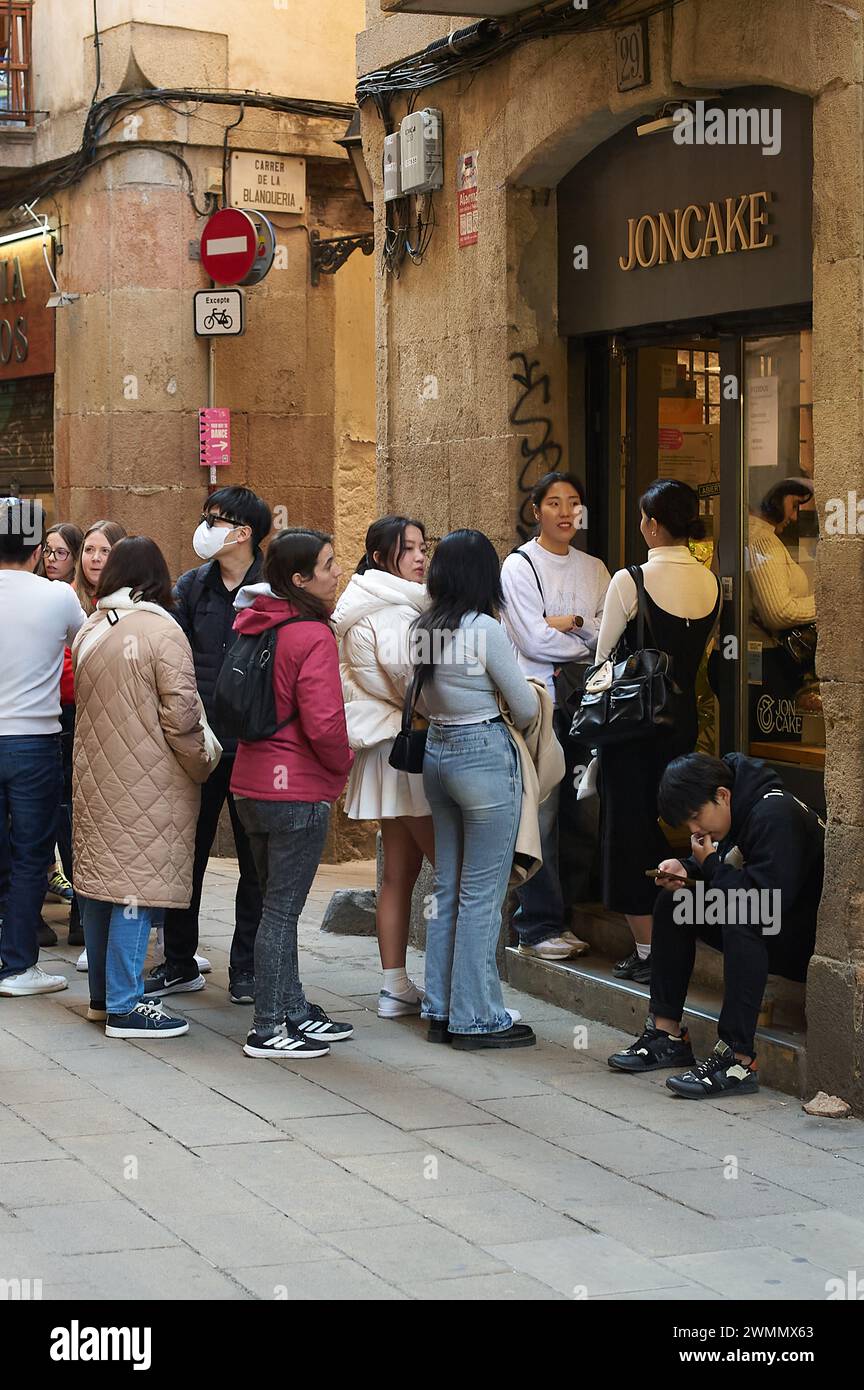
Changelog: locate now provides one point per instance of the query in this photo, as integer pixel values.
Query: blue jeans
(540, 914)
(473, 783)
(116, 937)
(287, 840)
(31, 788)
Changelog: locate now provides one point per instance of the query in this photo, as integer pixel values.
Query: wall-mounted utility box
(392, 167)
(422, 151)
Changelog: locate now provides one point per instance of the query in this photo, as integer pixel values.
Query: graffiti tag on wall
(538, 454)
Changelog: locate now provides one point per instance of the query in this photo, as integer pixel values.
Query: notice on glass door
(761, 411)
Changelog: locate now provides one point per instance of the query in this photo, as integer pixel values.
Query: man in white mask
(233, 525)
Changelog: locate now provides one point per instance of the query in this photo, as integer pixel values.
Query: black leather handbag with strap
(409, 745)
(641, 697)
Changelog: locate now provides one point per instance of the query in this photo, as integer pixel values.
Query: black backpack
(244, 705)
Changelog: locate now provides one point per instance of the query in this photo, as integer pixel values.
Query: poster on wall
(761, 421)
(466, 195)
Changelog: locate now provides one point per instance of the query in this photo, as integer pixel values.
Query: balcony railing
(16, 99)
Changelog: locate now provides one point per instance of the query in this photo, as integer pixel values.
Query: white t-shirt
(38, 618)
(572, 583)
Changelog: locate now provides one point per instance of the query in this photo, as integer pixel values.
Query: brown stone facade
(453, 456)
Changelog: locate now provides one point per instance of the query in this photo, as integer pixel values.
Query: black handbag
(799, 644)
(409, 745)
(568, 679)
(642, 699)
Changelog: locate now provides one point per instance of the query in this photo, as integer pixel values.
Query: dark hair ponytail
(386, 538)
(674, 506)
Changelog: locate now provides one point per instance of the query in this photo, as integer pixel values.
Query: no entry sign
(229, 246)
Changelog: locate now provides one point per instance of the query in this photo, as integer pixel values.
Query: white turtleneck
(674, 579)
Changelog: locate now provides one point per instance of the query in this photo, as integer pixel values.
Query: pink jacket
(309, 759)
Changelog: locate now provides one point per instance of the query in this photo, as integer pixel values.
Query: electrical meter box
(392, 167)
(422, 151)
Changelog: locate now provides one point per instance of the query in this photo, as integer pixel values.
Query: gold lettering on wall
(700, 229)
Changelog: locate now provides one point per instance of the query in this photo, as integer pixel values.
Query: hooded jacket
(139, 757)
(774, 841)
(372, 621)
(309, 759)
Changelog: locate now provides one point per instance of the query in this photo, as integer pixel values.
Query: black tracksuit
(205, 611)
(774, 843)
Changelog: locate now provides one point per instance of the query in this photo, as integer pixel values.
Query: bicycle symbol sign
(219, 313)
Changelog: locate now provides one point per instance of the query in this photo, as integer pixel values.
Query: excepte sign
(268, 182)
(214, 433)
(219, 313)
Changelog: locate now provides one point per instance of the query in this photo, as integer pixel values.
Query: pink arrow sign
(214, 433)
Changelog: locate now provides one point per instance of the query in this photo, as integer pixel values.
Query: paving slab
(585, 1265)
(351, 1134)
(93, 1227)
(330, 1281)
(716, 1192)
(405, 1254)
(766, 1273)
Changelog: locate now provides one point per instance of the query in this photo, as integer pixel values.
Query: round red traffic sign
(229, 246)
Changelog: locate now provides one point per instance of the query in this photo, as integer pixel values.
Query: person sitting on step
(750, 889)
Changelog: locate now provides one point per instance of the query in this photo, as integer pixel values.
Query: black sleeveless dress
(631, 839)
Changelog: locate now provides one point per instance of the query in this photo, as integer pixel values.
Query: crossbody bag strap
(412, 695)
(527, 557)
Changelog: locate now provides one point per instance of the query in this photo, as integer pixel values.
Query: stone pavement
(393, 1169)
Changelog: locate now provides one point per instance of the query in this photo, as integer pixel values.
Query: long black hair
(386, 539)
(464, 577)
(674, 506)
(771, 505)
(295, 551)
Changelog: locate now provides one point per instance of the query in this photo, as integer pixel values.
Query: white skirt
(377, 791)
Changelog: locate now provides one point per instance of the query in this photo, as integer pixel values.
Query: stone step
(610, 937)
(587, 986)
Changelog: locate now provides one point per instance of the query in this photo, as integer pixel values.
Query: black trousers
(746, 963)
(181, 923)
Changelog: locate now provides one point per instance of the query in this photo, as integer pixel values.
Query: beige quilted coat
(138, 760)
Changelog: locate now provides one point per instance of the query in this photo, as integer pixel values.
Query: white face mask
(209, 540)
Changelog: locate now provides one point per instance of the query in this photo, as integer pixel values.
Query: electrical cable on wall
(29, 186)
(467, 50)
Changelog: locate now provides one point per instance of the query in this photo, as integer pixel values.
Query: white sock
(642, 951)
(396, 981)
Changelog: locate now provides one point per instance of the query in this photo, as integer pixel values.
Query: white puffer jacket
(372, 621)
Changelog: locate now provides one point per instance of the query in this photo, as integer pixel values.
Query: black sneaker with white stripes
(722, 1074)
(286, 1041)
(318, 1026)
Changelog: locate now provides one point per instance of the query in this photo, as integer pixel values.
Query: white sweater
(674, 579)
(38, 619)
(571, 583)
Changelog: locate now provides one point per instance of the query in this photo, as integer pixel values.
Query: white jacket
(372, 621)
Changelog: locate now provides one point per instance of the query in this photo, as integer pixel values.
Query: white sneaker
(581, 947)
(32, 981)
(514, 1015)
(409, 1001)
(81, 963)
(203, 964)
(556, 948)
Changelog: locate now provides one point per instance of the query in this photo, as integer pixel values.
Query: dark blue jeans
(31, 787)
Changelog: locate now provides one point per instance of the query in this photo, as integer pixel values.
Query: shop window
(784, 703)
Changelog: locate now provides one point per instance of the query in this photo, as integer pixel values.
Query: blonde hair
(113, 532)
